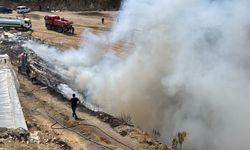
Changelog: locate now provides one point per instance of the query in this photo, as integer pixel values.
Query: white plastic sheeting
(11, 115)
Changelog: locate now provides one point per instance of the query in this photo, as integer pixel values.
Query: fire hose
(36, 112)
(89, 125)
(69, 128)
(64, 127)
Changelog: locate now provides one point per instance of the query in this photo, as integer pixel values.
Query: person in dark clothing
(28, 70)
(19, 68)
(102, 20)
(74, 102)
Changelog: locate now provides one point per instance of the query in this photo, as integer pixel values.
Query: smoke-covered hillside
(73, 5)
(188, 69)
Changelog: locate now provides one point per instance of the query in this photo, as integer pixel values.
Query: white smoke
(187, 69)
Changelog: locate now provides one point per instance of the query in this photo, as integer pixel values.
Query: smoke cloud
(187, 68)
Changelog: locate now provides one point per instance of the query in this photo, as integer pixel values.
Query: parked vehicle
(22, 9)
(18, 24)
(4, 9)
(53, 22)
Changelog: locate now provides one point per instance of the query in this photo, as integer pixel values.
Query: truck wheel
(60, 29)
(25, 29)
(6, 28)
(48, 27)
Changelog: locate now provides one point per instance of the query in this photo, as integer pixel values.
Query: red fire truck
(57, 23)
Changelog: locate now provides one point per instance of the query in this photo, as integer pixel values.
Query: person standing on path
(74, 103)
(102, 20)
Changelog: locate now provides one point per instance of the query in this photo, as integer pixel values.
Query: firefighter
(74, 103)
(72, 30)
(48, 8)
(19, 68)
(27, 69)
(102, 20)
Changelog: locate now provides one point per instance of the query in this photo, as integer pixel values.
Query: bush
(126, 118)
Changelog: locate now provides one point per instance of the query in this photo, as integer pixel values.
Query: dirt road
(82, 21)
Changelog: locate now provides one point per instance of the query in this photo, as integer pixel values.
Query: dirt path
(82, 21)
(37, 102)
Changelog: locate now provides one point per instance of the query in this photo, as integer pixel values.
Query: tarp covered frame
(6, 64)
(11, 115)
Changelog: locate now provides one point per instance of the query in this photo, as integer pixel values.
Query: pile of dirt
(72, 5)
(111, 120)
(19, 134)
(12, 137)
(142, 137)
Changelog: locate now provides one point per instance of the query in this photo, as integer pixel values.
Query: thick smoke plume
(187, 68)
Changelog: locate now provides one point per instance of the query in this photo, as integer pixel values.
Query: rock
(34, 137)
(29, 125)
(123, 133)
(163, 147)
(14, 134)
(152, 147)
(63, 144)
(2, 129)
(47, 140)
(22, 134)
(54, 140)
(149, 141)
(4, 135)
